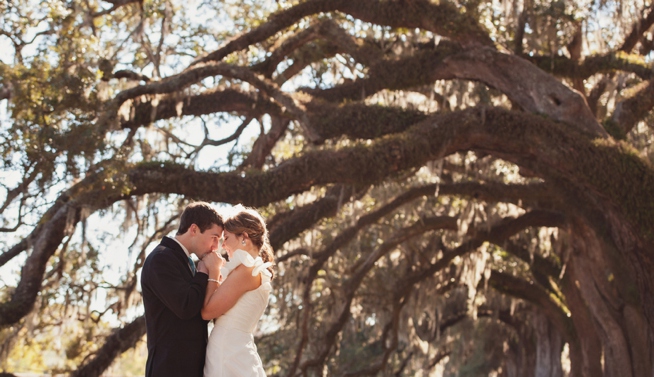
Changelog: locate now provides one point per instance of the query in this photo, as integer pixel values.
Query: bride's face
(230, 243)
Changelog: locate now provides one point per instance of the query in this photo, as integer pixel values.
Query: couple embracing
(180, 298)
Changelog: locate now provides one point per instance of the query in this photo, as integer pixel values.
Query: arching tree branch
(303, 218)
(528, 291)
(562, 66)
(227, 100)
(442, 18)
(638, 30)
(119, 341)
(633, 109)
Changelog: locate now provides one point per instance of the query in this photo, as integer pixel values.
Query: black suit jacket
(173, 298)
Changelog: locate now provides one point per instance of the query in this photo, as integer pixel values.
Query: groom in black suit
(173, 294)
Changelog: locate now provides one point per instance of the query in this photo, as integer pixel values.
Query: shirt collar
(183, 247)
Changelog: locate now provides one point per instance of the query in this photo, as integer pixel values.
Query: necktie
(192, 265)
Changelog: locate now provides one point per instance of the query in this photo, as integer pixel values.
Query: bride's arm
(227, 294)
(212, 283)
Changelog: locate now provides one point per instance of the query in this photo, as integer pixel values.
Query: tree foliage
(459, 188)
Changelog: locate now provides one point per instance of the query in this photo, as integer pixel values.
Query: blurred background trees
(453, 188)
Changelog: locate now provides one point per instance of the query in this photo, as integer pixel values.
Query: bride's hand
(213, 262)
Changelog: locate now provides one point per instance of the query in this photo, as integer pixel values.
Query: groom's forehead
(215, 230)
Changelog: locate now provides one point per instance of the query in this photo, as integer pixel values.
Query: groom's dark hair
(201, 214)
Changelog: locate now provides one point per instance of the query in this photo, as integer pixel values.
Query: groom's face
(207, 241)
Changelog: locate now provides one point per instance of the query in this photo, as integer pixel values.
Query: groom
(173, 294)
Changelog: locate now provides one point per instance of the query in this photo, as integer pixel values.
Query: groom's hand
(202, 268)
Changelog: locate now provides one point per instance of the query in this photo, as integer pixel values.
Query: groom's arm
(168, 283)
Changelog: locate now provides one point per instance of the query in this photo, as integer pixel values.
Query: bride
(239, 301)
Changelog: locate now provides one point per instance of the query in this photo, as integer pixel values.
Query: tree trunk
(607, 286)
(548, 348)
(589, 341)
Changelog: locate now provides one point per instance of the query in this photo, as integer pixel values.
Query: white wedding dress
(231, 351)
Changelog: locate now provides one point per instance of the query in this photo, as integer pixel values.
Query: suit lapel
(169, 243)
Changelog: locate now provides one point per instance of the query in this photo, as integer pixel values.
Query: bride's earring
(243, 242)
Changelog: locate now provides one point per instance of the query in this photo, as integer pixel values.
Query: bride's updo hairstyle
(248, 220)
